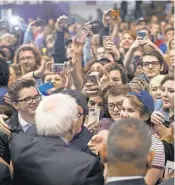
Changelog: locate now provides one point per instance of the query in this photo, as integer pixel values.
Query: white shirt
(113, 179)
(23, 123)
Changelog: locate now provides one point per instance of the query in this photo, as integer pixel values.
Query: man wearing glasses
(152, 64)
(24, 98)
(28, 58)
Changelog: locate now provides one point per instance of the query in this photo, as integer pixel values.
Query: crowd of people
(87, 104)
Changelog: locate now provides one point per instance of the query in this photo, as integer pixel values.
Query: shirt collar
(23, 123)
(113, 179)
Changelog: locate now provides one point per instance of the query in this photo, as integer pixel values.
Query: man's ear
(161, 67)
(73, 130)
(103, 152)
(15, 105)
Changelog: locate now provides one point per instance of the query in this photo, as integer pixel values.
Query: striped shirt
(159, 153)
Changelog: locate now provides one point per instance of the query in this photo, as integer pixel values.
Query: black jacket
(79, 142)
(59, 53)
(5, 177)
(168, 182)
(48, 161)
(6, 140)
(128, 182)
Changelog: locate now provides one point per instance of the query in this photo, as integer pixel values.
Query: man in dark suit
(46, 159)
(128, 144)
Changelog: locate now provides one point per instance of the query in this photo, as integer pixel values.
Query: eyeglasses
(111, 106)
(92, 103)
(79, 115)
(153, 63)
(26, 58)
(29, 100)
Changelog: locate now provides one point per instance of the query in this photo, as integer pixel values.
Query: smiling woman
(140, 106)
(155, 87)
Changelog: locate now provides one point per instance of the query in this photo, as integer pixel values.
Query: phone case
(94, 115)
(45, 87)
(141, 34)
(92, 79)
(57, 68)
(81, 37)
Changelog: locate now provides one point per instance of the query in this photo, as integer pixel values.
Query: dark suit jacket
(5, 177)
(5, 140)
(48, 161)
(128, 182)
(168, 182)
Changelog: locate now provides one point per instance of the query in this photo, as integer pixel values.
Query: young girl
(140, 106)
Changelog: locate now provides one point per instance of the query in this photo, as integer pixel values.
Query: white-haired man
(46, 159)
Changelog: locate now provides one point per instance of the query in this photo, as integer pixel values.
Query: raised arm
(59, 53)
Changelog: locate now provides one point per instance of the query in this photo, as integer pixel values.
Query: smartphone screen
(92, 79)
(141, 34)
(94, 115)
(81, 36)
(106, 39)
(45, 87)
(58, 68)
(4, 25)
(166, 123)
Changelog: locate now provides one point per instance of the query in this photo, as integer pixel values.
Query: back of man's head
(55, 115)
(129, 142)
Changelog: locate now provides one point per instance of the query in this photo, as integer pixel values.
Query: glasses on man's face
(111, 106)
(30, 100)
(153, 63)
(79, 115)
(26, 58)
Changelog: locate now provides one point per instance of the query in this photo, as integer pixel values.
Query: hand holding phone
(82, 35)
(93, 79)
(106, 39)
(43, 89)
(94, 115)
(62, 22)
(58, 68)
(141, 35)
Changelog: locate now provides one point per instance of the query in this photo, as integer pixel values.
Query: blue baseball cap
(145, 98)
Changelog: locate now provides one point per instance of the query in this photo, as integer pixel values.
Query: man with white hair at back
(46, 159)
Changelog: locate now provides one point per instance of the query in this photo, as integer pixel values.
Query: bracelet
(35, 76)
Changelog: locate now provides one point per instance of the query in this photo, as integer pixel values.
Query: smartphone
(141, 34)
(92, 79)
(45, 87)
(94, 115)
(63, 22)
(166, 123)
(114, 13)
(82, 35)
(106, 39)
(4, 25)
(58, 68)
(40, 23)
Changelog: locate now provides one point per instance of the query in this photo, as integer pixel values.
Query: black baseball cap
(140, 20)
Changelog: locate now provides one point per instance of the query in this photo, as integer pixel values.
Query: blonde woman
(155, 87)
